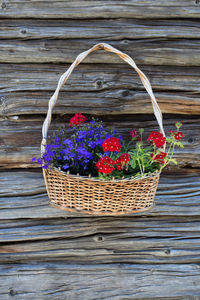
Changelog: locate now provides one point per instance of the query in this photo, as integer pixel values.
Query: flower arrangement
(87, 148)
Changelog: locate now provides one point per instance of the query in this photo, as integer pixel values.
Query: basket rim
(132, 178)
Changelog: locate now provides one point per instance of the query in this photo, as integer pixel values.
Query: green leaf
(133, 164)
(173, 160)
(169, 140)
(179, 144)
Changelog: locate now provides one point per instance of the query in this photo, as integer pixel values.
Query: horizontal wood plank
(110, 281)
(111, 102)
(102, 240)
(177, 195)
(99, 9)
(20, 137)
(97, 77)
(123, 230)
(176, 52)
(99, 29)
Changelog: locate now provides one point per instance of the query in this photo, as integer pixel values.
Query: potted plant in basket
(87, 149)
(90, 169)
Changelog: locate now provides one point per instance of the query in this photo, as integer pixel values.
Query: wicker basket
(100, 197)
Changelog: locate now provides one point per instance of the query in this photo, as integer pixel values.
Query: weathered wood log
(177, 52)
(103, 230)
(23, 195)
(93, 77)
(108, 281)
(99, 9)
(111, 102)
(102, 240)
(20, 137)
(98, 29)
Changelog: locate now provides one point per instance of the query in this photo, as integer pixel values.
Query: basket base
(101, 213)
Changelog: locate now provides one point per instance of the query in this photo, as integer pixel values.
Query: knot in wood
(3, 5)
(190, 140)
(99, 238)
(125, 93)
(125, 42)
(23, 31)
(11, 292)
(99, 84)
(167, 251)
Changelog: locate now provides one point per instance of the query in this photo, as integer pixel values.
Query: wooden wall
(49, 254)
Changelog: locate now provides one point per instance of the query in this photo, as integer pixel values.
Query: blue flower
(81, 134)
(66, 166)
(45, 166)
(33, 159)
(69, 143)
(39, 160)
(66, 151)
(72, 154)
(93, 144)
(83, 153)
(57, 139)
(108, 135)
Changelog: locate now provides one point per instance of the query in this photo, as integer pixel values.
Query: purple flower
(66, 151)
(45, 167)
(93, 144)
(66, 166)
(72, 154)
(69, 143)
(81, 134)
(57, 139)
(33, 159)
(83, 153)
(39, 160)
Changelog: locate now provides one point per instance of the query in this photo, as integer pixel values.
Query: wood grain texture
(98, 29)
(97, 77)
(20, 137)
(111, 281)
(30, 231)
(177, 195)
(176, 52)
(109, 102)
(99, 9)
(46, 253)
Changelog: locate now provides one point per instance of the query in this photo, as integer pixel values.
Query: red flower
(158, 139)
(134, 134)
(177, 135)
(77, 119)
(111, 144)
(159, 157)
(105, 165)
(124, 158)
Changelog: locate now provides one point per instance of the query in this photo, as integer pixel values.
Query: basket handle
(78, 60)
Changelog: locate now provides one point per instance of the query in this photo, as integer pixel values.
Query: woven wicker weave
(89, 195)
(115, 197)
